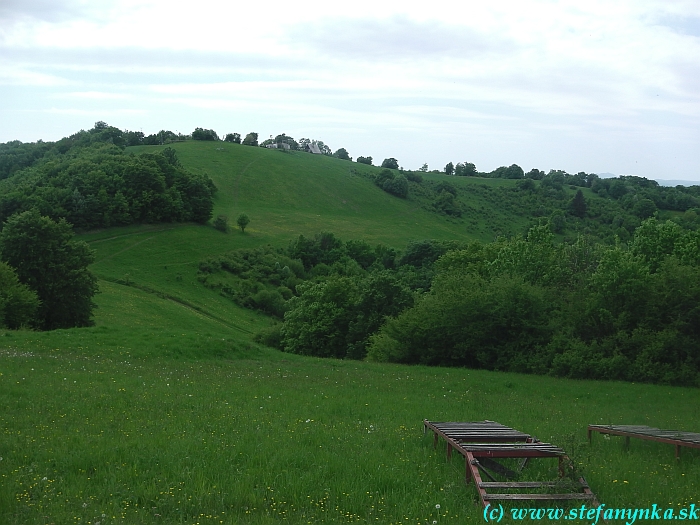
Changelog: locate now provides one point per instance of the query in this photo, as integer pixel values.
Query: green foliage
(242, 221)
(15, 156)
(342, 154)
(18, 303)
(464, 169)
(390, 163)
(100, 186)
(577, 310)
(413, 177)
(335, 317)
(644, 208)
(508, 172)
(364, 160)
(526, 185)
(577, 206)
(466, 320)
(392, 183)
(204, 134)
(52, 264)
(557, 221)
(234, 138)
(251, 139)
(221, 223)
(449, 168)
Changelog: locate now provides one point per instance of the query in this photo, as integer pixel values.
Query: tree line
(525, 304)
(91, 183)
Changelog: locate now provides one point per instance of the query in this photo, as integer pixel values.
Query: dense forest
(88, 180)
(574, 309)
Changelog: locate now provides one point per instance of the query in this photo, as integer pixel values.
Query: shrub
(221, 223)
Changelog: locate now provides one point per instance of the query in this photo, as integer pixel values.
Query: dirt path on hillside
(238, 178)
(177, 301)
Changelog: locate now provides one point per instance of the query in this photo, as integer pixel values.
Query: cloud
(93, 95)
(48, 10)
(96, 113)
(19, 75)
(393, 38)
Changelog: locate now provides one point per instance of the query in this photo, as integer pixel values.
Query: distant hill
(662, 182)
(674, 183)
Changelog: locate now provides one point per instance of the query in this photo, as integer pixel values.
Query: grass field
(94, 430)
(167, 412)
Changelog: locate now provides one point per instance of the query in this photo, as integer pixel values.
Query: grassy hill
(167, 412)
(291, 193)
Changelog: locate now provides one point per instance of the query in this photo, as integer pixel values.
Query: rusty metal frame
(461, 436)
(681, 439)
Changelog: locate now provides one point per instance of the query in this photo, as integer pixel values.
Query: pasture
(166, 411)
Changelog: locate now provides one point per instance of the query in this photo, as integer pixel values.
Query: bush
(390, 163)
(271, 336)
(391, 183)
(221, 223)
(18, 303)
(204, 134)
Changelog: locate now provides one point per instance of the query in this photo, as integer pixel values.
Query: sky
(596, 86)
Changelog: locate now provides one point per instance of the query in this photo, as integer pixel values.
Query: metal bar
(556, 497)
(476, 477)
(649, 436)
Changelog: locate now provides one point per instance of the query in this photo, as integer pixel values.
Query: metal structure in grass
(482, 442)
(673, 437)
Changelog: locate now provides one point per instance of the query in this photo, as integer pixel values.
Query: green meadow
(166, 411)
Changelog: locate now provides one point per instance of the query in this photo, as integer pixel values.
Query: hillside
(166, 411)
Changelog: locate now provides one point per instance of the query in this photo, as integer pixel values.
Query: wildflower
(437, 506)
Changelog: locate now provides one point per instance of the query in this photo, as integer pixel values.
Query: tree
(510, 172)
(18, 303)
(578, 205)
(424, 168)
(242, 221)
(335, 317)
(251, 139)
(644, 208)
(390, 163)
(221, 223)
(465, 169)
(365, 160)
(233, 137)
(204, 134)
(557, 221)
(52, 264)
(342, 154)
(284, 139)
(394, 184)
(449, 168)
(526, 185)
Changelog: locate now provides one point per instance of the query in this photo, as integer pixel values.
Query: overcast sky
(594, 86)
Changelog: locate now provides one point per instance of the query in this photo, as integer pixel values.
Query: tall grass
(261, 437)
(166, 412)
